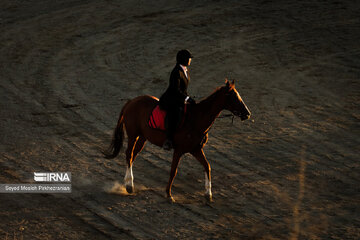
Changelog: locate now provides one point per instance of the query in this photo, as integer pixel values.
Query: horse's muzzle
(242, 116)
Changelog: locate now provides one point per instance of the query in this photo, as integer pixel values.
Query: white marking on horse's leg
(207, 186)
(129, 178)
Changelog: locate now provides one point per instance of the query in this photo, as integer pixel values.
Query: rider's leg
(173, 120)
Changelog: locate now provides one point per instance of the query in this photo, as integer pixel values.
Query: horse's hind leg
(135, 145)
(129, 178)
(200, 156)
(138, 147)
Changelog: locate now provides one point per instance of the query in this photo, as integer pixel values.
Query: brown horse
(191, 137)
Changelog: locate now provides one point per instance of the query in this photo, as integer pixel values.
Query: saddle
(158, 116)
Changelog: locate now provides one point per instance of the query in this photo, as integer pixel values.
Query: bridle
(228, 115)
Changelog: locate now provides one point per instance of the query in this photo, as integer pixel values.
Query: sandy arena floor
(291, 172)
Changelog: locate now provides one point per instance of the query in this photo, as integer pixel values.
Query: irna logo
(52, 177)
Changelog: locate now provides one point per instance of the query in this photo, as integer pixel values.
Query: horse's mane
(211, 97)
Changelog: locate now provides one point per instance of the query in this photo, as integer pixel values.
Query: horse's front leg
(174, 167)
(200, 156)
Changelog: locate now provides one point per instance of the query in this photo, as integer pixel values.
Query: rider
(176, 96)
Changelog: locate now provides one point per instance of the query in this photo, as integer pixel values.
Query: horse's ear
(233, 82)
(227, 83)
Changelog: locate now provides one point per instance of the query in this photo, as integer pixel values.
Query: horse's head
(234, 102)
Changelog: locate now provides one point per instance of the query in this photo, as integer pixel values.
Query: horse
(190, 137)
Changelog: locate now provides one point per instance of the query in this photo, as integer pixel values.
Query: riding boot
(173, 119)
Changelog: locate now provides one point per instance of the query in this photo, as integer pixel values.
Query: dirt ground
(290, 172)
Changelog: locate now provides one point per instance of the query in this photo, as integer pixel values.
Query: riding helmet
(183, 56)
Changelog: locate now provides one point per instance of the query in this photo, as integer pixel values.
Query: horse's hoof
(209, 198)
(129, 189)
(171, 199)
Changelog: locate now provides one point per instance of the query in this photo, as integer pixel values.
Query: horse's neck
(209, 109)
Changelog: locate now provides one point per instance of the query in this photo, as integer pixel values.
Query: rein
(223, 115)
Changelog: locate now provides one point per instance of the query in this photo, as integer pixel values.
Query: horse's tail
(118, 137)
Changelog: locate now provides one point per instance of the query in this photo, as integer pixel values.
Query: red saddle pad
(157, 118)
